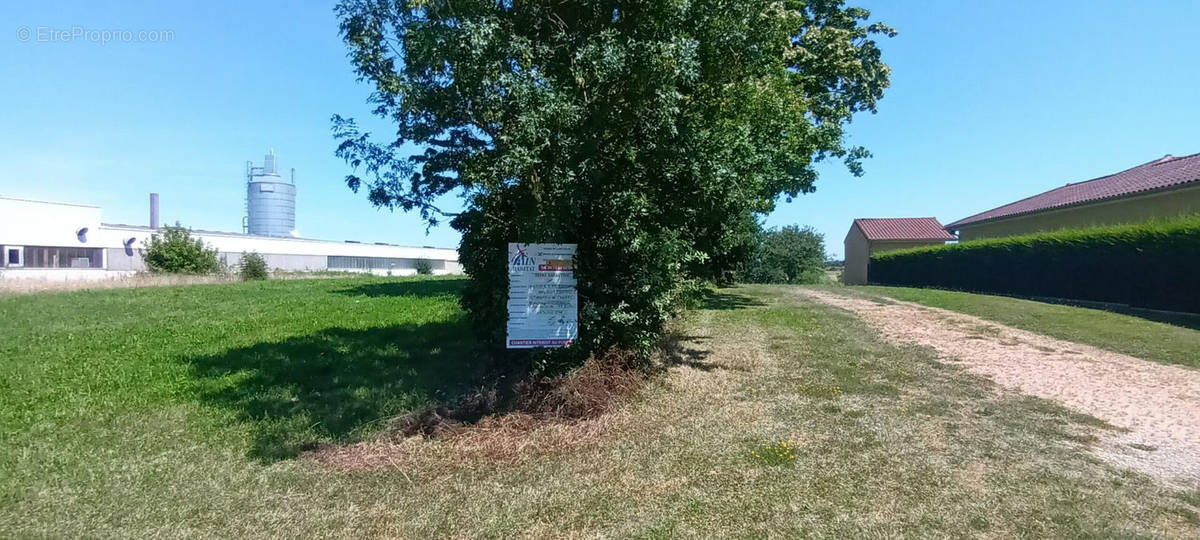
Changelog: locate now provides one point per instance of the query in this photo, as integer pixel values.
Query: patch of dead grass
(544, 415)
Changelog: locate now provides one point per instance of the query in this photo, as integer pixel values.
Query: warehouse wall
(118, 260)
(277, 261)
(858, 252)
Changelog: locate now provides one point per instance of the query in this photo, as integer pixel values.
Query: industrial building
(1163, 188)
(60, 241)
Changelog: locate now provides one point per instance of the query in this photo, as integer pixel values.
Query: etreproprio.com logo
(102, 36)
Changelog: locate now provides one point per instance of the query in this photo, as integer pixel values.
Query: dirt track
(1158, 405)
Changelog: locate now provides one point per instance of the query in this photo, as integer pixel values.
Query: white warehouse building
(59, 241)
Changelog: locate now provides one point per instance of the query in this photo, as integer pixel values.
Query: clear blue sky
(990, 102)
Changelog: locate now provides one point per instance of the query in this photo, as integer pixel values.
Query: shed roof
(924, 228)
(1163, 173)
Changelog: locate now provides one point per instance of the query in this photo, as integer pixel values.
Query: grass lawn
(179, 412)
(1176, 343)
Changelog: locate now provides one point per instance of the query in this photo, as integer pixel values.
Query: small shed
(873, 235)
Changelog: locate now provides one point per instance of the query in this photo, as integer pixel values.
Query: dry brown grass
(545, 415)
(142, 279)
(496, 440)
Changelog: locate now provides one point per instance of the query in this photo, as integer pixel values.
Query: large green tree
(648, 132)
(793, 254)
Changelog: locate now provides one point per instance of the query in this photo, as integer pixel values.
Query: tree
(648, 133)
(175, 251)
(792, 254)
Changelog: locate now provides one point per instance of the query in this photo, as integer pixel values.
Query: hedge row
(1152, 265)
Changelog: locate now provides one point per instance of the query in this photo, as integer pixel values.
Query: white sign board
(543, 307)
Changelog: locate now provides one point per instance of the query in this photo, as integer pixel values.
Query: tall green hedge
(1153, 265)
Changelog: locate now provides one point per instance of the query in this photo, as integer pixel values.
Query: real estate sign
(543, 307)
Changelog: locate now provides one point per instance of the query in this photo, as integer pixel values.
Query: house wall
(1127, 210)
(858, 253)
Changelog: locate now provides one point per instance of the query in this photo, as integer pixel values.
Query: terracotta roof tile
(1168, 171)
(925, 228)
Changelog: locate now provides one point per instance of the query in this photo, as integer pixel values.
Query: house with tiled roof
(873, 235)
(1165, 187)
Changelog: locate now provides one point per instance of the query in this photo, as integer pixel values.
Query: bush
(424, 267)
(253, 267)
(792, 254)
(176, 252)
(1151, 265)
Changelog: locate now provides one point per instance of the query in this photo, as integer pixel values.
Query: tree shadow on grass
(719, 300)
(336, 384)
(1174, 318)
(685, 350)
(416, 288)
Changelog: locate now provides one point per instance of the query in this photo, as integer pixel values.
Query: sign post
(543, 306)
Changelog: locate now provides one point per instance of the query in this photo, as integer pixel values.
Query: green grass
(1177, 343)
(177, 412)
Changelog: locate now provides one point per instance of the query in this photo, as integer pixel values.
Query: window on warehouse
(63, 257)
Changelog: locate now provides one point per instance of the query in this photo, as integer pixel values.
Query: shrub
(176, 252)
(1152, 264)
(424, 267)
(253, 267)
(792, 254)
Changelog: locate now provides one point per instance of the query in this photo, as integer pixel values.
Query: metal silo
(270, 200)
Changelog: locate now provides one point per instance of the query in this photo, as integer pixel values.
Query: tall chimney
(153, 210)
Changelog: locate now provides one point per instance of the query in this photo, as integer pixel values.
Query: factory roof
(263, 237)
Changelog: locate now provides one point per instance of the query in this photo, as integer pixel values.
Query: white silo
(270, 200)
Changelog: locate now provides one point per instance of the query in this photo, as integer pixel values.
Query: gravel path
(1158, 404)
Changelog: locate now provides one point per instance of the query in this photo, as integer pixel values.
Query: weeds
(774, 454)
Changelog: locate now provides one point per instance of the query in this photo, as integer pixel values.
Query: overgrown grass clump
(1152, 264)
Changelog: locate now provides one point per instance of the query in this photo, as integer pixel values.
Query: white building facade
(59, 241)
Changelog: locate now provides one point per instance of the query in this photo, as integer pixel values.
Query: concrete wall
(1127, 210)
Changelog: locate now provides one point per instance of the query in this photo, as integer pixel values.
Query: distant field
(180, 412)
(1177, 343)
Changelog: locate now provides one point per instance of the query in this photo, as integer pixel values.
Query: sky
(990, 102)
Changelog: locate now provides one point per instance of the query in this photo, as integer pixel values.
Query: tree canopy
(648, 132)
(792, 254)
